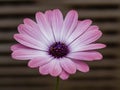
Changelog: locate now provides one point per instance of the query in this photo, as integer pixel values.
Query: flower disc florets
(58, 50)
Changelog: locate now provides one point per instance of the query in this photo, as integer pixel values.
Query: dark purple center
(58, 50)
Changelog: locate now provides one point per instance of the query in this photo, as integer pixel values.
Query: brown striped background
(104, 75)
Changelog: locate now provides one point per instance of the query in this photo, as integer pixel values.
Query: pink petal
(29, 31)
(87, 38)
(81, 66)
(55, 68)
(64, 75)
(93, 27)
(21, 29)
(27, 53)
(38, 61)
(55, 19)
(48, 15)
(30, 23)
(80, 29)
(86, 56)
(89, 47)
(44, 70)
(68, 65)
(32, 29)
(92, 36)
(69, 24)
(17, 47)
(44, 26)
(30, 42)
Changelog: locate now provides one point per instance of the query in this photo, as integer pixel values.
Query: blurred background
(104, 75)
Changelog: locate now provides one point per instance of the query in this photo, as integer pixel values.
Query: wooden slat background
(104, 75)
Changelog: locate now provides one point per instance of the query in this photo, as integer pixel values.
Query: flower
(57, 46)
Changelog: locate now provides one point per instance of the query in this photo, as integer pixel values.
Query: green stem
(57, 83)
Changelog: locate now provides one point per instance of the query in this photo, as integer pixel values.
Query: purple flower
(57, 46)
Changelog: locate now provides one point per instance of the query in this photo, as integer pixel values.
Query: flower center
(58, 50)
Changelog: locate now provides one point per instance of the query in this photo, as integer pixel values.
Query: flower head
(57, 46)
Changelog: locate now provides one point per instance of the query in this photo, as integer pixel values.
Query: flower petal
(93, 27)
(81, 66)
(88, 47)
(87, 38)
(32, 32)
(38, 61)
(79, 30)
(17, 47)
(86, 56)
(55, 68)
(68, 65)
(27, 53)
(30, 23)
(55, 19)
(69, 24)
(28, 31)
(48, 15)
(44, 26)
(64, 75)
(30, 42)
(44, 69)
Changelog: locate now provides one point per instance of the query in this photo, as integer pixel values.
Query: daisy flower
(57, 46)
